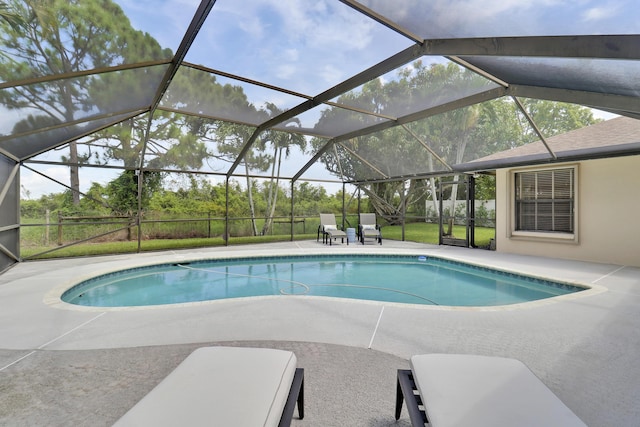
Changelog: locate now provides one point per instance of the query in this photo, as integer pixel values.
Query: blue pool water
(402, 279)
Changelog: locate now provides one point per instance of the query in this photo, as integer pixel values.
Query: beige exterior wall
(608, 215)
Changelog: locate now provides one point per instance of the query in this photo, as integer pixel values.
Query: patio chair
(369, 228)
(478, 391)
(225, 386)
(329, 229)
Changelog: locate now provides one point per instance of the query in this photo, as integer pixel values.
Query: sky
(304, 45)
(308, 46)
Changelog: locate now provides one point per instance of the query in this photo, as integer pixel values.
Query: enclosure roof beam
(289, 114)
(432, 111)
(9, 182)
(605, 101)
(245, 80)
(478, 70)
(534, 126)
(315, 158)
(75, 74)
(369, 74)
(426, 146)
(102, 202)
(383, 20)
(82, 135)
(406, 177)
(363, 160)
(190, 35)
(192, 31)
(6, 251)
(9, 155)
(623, 46)
(463, 102)
(62, 125)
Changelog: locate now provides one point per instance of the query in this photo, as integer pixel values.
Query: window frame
(554, 236)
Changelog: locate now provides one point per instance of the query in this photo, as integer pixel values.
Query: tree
(281, 143)
(230, 140)
(123, 191)
(554, 118)
(74, 35)
(377, 156)
(186, 140)
(310, 199)
(454, 136)
(11, 18)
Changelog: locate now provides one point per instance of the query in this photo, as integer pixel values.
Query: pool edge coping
(53, 297)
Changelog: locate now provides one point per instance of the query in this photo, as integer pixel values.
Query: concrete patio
(68, 365)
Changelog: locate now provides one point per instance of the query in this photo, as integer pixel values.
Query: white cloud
(165, 20)
(287, 42)
(8, 119)
(599, 13)
(292, 54)
(484, 18)
(37, 185)
(251, 25)
(285, 71)
(331, 73)
(323, 24)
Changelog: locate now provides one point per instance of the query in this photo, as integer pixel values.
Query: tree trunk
(454, 189)
(273, 195)
(74, 169)
(254, 226)
(74, 173)
(434, 193)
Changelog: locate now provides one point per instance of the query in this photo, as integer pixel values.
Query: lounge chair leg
(301, 400)
(296, 395)
(408, 389)
(399, 400)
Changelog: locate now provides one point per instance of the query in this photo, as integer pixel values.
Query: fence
(70, 230)
(150, 231)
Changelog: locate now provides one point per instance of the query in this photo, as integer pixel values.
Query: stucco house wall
(607, 209)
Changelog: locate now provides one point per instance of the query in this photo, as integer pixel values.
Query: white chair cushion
(219, 386)
(480, 391)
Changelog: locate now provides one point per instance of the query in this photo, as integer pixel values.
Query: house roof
(620, 136)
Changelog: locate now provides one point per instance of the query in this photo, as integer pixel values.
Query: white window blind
(545, 200)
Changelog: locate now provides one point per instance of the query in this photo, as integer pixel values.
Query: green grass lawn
(415, 232)
(422, 232)
(123, 247)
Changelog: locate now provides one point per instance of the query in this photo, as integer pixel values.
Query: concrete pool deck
(62, 364)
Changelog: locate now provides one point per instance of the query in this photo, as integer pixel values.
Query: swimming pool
(399, 279)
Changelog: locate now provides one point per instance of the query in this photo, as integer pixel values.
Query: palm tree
(282, 143)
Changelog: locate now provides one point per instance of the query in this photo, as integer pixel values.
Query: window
(544, 200)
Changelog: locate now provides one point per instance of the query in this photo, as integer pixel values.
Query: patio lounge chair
(329, 229)
(369, 228)
(225, 386)
(466, 390)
